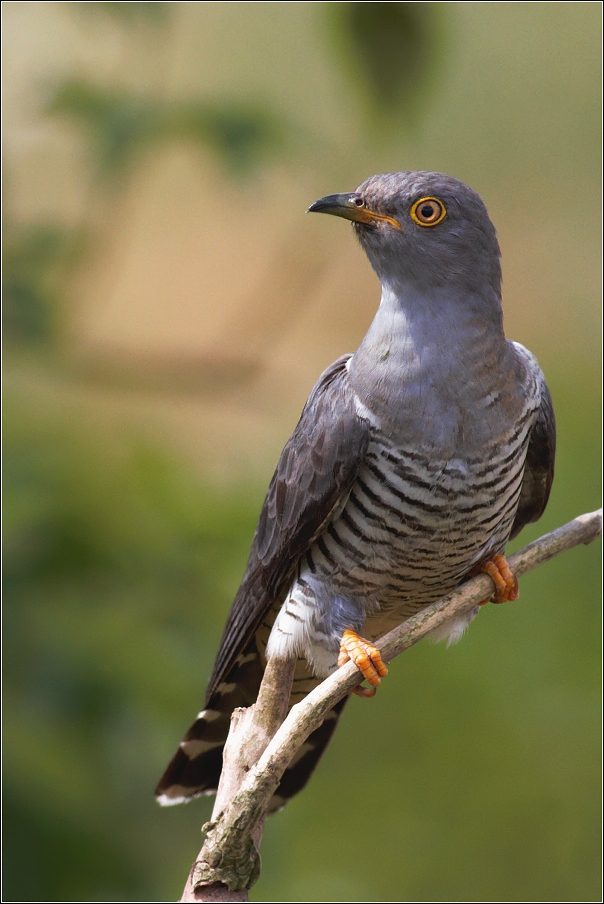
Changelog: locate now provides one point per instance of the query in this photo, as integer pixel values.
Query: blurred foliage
(120, 126)
(129, 13)
(35, 261)
(117, 572)
(393, 53)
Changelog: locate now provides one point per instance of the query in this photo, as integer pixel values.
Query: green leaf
(120, 126)
(35, 260)
(391, 51)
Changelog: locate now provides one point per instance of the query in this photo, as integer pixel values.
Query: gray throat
(434, 365)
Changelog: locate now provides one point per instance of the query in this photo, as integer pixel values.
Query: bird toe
(506, 583)
(367, 659)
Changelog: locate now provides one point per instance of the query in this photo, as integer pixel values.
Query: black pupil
(359, 202)
(428, 211)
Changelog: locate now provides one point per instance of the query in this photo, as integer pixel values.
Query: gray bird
(414, 462)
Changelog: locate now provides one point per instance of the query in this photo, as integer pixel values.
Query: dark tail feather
(304, 763)
(195, 768)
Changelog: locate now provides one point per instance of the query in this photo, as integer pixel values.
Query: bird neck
(410, 323)
(426, 353)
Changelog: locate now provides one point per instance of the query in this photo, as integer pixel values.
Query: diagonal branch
(233, 837)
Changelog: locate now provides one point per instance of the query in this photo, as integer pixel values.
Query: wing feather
(313, 477)
(539, 466)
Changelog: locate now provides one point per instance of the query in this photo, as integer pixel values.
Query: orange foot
(367, 659)
(506, 583)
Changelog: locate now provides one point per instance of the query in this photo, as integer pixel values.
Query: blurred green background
(167, 309)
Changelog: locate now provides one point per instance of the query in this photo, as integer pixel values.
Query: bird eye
(358, 202)
(428, 212)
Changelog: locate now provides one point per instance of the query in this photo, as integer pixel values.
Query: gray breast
(412, 527)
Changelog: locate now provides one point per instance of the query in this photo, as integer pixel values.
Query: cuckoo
(413, 463)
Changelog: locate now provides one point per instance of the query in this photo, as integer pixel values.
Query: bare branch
(233, 837)
(238, 865)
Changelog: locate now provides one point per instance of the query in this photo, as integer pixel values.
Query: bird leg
(506, 583)
(367, 659)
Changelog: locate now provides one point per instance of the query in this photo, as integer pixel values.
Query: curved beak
(351, 206)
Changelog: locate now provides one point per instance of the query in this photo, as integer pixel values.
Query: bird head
(424, 230)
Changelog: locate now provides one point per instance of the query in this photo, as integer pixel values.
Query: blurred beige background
(168, 306)
(194, 278)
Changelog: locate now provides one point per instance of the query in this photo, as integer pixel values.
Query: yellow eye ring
(428, 212)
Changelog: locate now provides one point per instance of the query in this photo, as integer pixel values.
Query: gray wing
(539, 466)
(313, 477)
